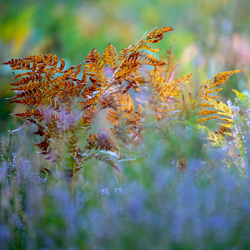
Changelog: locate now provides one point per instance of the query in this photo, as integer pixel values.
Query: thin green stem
(74, 168)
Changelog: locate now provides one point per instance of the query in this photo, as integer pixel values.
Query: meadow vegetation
(128, 157)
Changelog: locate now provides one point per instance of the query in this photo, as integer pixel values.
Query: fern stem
(74, 168)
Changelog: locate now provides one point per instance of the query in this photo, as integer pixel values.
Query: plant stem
(74, 168)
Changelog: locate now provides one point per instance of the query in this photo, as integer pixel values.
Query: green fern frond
(215, 139)
(239, 95)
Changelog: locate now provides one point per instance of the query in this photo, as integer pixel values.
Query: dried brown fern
(207, 100)
(63, 106)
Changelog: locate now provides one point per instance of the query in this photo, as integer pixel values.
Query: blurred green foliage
(210, 36)
(151, 205)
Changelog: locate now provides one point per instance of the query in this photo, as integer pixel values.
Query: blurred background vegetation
(210, 36)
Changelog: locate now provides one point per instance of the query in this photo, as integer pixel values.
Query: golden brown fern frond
(110, 57)
(153, 37)
(156, 36)
(63, 106)
(171, 64)
(175, 87)
(164, 95)
(101, 141)
(94, 67)
(207, 100)
(211, 85)
(124, 109)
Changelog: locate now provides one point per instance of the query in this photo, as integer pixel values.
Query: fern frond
(124, 109)
(219, 79)
(110, 57)
(207, 100)
(155, 36)
(104, 158)
(25, 125)
(94, 66)
(101, 141)
(222, 107)
(239, 95)
(215, 139)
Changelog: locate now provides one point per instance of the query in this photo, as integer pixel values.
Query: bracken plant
(63, 106)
